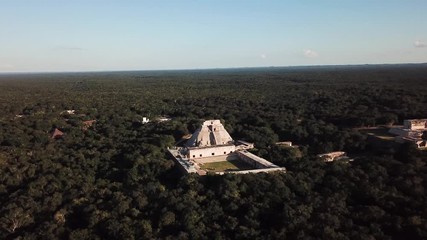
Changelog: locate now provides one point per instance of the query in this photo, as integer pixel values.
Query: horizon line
(206, 69)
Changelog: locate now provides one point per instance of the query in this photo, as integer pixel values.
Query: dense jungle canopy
(114, 180)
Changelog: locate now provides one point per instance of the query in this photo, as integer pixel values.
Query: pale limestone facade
(211, 133)
(195, 152)
(211, 139)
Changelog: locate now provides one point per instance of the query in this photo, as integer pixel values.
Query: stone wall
(254, 160)
(210, 151)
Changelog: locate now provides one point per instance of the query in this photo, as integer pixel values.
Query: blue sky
(95, 35)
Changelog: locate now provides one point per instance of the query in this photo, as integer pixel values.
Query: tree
(15, 218)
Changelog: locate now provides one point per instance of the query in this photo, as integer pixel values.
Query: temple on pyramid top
(211, 133)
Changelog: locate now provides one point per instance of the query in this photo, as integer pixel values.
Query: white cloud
(310, 53)
(420, 44)
(263, 56)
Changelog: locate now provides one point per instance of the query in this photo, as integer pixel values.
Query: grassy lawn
(231, 165)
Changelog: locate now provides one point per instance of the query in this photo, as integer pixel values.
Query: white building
(145, 120)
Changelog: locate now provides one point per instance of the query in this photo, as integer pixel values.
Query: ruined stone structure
(333, 156)
(212, 143)
(286, 144)
(211, 133)
(211, 139)
(415, 124)
(200, 152)
(145, 120)
(412, 131)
